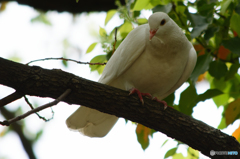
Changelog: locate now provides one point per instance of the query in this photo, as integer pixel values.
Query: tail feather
(91, 122)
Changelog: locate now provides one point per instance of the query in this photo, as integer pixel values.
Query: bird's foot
(134, 90)
(161, 101)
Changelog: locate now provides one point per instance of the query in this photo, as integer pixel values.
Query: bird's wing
(192, 58)
(126, 54)
(91, 122)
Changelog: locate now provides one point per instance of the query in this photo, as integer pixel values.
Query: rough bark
(36, 81)
(69, 5)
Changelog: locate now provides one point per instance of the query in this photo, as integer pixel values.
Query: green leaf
(178, 156)
(170, 152)
(64, 62)
(141, 4)
(109, 16)
(187, 100)
(157, 2)
(232, 112)
(181, 9)
(41, 18)
(163, 8)
(222, 124)
(210, 32)
(38, 135)
(96, 59)
(199, 24)
(235, 23)
(218, 38)
(170, 99)
(164, 142)
(102, 32)
(232, 71)
(15, 58)
(201, 3)
(136, 14)
(224, 87)
(210, 93)
(91, 47)
(233, 45)
(125, 29)
(152, 132)
(224, 6)
(237, 8)
(144, 143)
(219, 84)
(234, 83)
(192, 153)
(205, 9)
(217, 69)
(201, 66)
(141, 21)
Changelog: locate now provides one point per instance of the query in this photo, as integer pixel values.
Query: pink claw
(161, 101)
(134, 90)
(140, 95)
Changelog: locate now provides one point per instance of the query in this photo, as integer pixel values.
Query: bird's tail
(91, 122)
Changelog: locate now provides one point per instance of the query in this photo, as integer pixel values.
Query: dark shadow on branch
(69, 5)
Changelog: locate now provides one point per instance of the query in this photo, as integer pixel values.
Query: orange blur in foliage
(201, 77)
(199, 49)
(223, 53)
(235, 33)
(146, 131)
(236, 133)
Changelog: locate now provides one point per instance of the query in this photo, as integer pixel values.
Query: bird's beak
(152, 33)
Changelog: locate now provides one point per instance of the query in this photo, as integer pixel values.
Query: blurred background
(28, 34)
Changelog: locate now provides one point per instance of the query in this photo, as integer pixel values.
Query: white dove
(156, 58)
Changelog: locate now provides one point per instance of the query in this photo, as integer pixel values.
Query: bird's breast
(153, 74)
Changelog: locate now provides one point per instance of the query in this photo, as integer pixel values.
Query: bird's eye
(163, 22)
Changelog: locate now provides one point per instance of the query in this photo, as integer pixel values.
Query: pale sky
(31, 41)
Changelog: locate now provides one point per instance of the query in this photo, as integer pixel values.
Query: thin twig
(200, 42)
(61, 58)
(31, 106)
(56, 101)
(222, 16)
(10, 98)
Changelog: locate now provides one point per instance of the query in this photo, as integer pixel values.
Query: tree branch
(55, 102)
(10, 98)
(36, 81)
(69, 5)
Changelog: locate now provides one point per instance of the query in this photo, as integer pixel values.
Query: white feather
(158, 67)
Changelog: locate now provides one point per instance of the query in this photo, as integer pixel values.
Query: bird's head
(159, 24)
